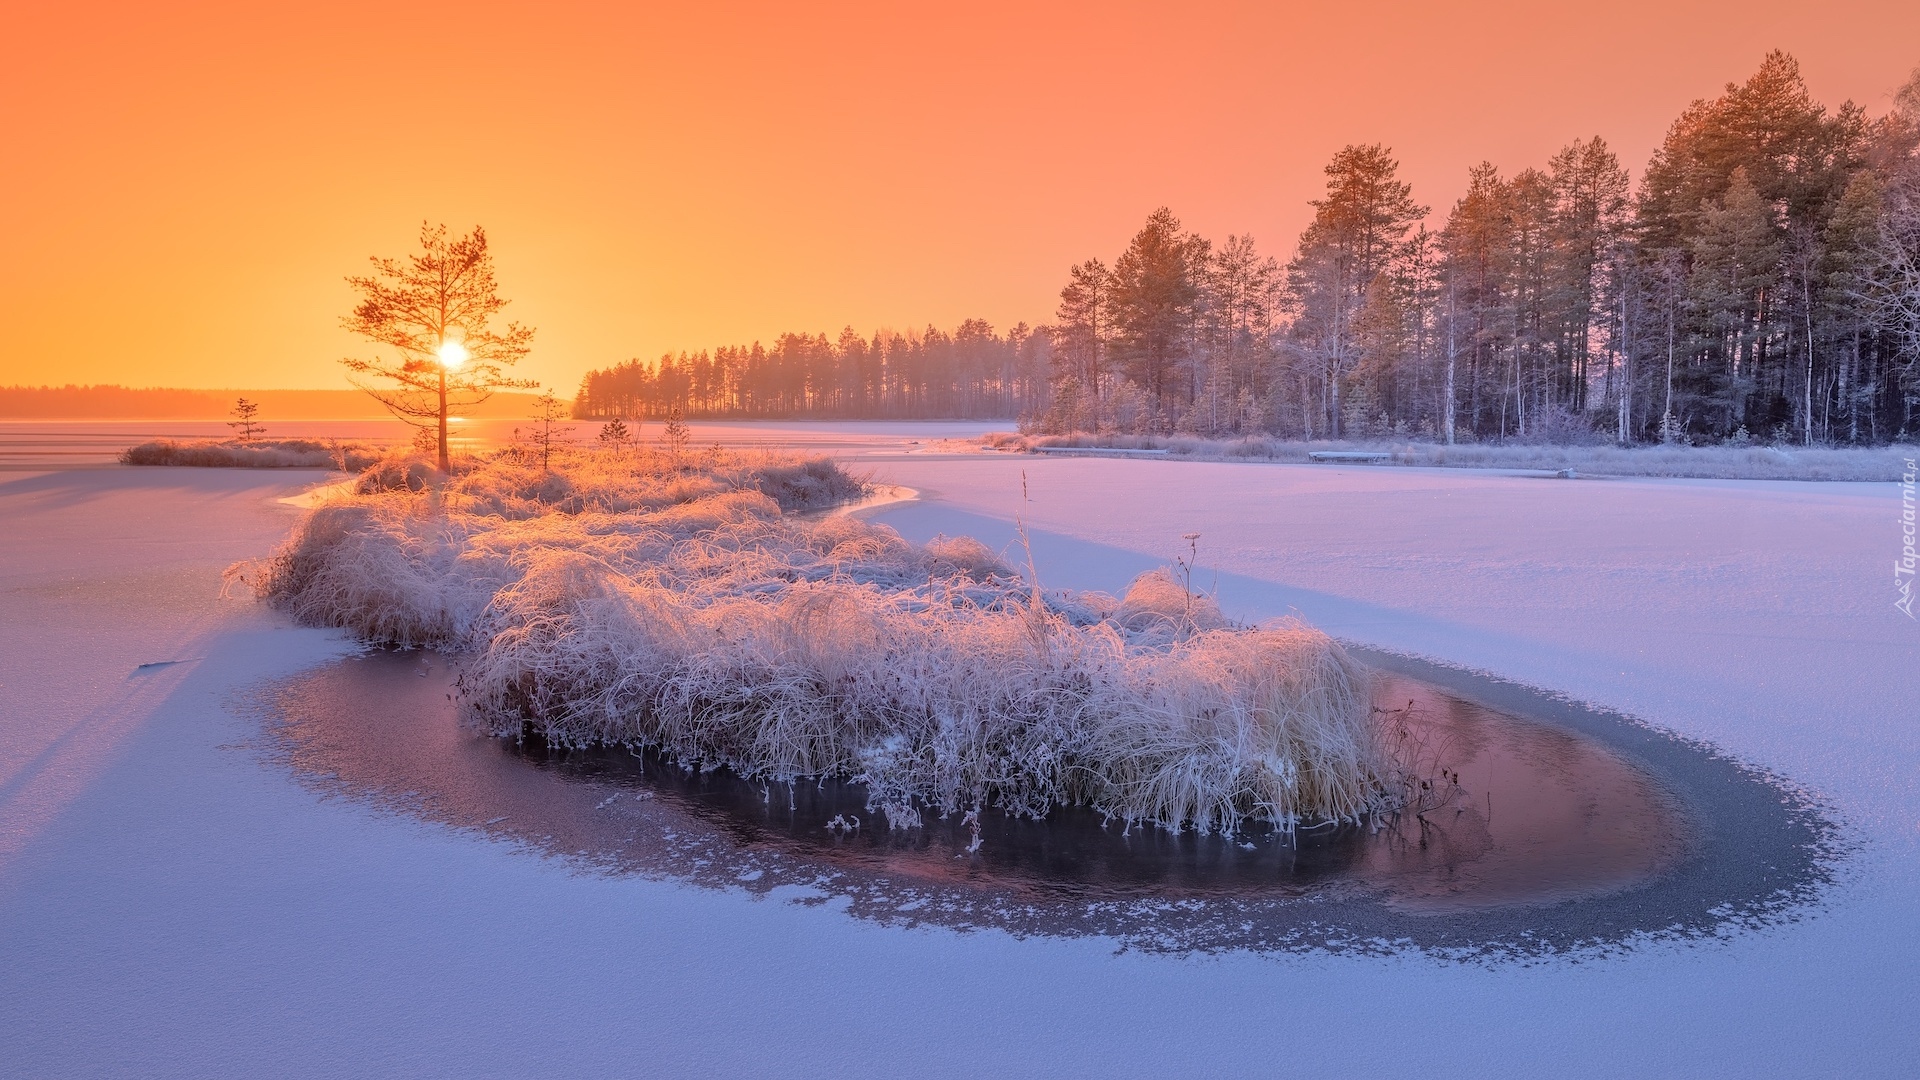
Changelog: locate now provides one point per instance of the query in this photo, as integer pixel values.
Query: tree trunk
(1333, 392)
(1666, 420)
(446, 466)
(1452, 359)
(1807, 400)
(1625, 354)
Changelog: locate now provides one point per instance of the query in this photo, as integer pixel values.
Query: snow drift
(678, 602)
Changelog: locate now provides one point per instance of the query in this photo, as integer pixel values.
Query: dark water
(1540, 815)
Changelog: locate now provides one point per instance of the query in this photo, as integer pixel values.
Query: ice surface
(171, 906)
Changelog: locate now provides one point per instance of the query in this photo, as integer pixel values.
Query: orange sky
(184, 185)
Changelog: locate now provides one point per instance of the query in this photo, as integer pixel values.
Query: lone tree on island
(432, 309)
(244, 422)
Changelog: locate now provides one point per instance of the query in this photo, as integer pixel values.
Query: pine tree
(614, 435)
(547, 412)
(1477, 251)
(1589, 228)
(244, 413)
(1356, 232)
(434, 311)
(1846, 279)
(675, 436)
(1239, 283)
(1155, 293)
(1736, 260)
(1081, 331)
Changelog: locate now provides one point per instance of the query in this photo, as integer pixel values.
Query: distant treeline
(1761, 282)
(160, 403)
(971, 373)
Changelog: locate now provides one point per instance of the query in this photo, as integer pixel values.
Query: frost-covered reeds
(678, 603)
(253, 454)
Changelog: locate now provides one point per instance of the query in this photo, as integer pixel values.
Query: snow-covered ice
(172, 904)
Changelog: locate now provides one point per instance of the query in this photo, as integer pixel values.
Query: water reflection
(1539, 814)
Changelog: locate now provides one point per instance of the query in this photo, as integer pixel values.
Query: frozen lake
(174, 903)
(44, 444)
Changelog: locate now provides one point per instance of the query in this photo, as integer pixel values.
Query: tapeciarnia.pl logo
(1904, 565)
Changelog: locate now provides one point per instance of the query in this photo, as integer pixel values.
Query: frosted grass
(678, 603)
(254, 454)
(1726, 462)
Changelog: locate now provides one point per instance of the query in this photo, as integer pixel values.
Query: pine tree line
(971, 373)
(1763, 282)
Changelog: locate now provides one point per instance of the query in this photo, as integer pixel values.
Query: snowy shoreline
(170, 906)
(1757, 461)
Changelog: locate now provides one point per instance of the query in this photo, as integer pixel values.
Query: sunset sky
(186, 185)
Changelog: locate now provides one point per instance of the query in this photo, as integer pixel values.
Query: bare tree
(432, 310)
(1896, 272)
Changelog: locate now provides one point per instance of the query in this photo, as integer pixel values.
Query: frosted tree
(1736, 271)
(1083, 325)
(1844, 292)
(615, 436)
(1357, 229)
(433, 314)
(1155, 293)
(548, 411)
(1478, 257)
(1898, 274)
(1892, 299)
(674, 435)
(1588, 224)
(1419, 284)
(1239, 285)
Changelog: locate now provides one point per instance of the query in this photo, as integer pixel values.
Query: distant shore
(82, 403)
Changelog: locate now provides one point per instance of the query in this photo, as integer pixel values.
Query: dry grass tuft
(677, 602)
(257, 454)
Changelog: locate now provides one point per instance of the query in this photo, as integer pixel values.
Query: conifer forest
(1758, 280)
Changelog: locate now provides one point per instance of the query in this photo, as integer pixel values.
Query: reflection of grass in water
(671, 600)
(1421, 760)
(1423, 753)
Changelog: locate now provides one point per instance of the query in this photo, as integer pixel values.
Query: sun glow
(452, 353)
